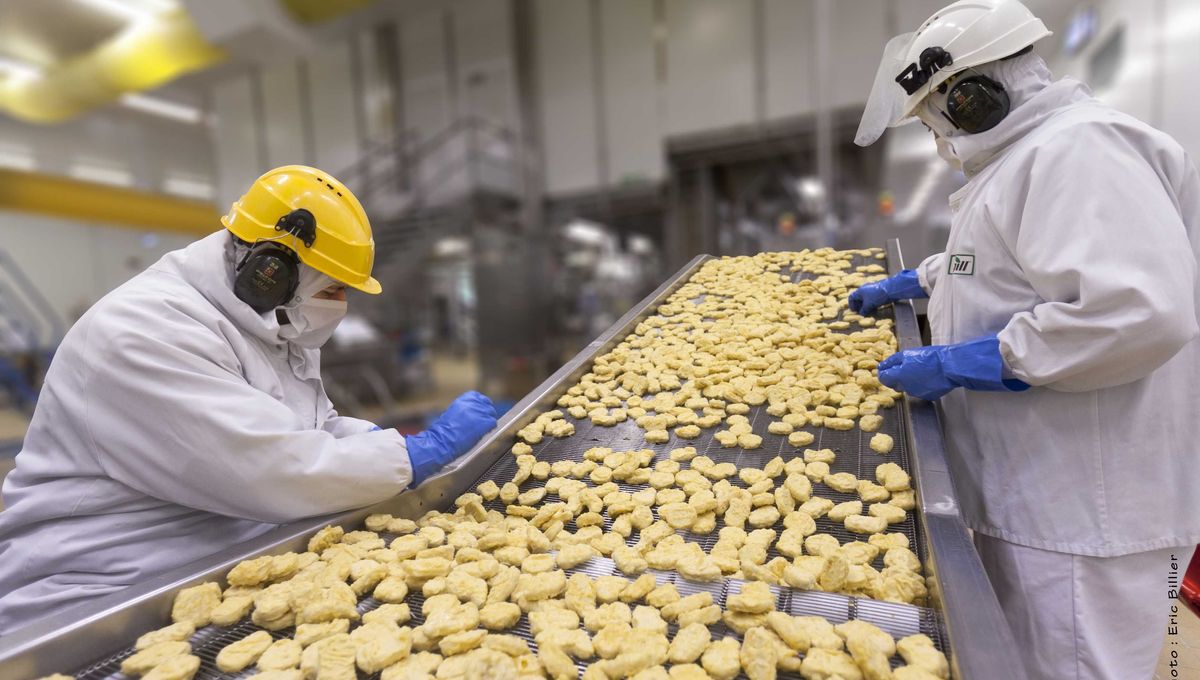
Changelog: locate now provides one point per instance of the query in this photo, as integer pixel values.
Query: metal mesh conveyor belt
(853, 455)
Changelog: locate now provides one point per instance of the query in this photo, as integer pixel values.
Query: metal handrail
(375, 148)
(45, 316)
(410, 152)
(16, 316)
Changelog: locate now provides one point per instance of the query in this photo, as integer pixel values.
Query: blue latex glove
(470, 417)
(375, 428)
(930, 372)
(902, 286)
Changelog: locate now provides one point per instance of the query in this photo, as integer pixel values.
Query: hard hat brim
(370, 286)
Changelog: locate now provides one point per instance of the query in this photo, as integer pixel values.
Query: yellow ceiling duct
(143, 56)
(317, 11)
(90, 202)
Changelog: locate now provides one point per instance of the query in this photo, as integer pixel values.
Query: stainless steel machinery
(962, 616)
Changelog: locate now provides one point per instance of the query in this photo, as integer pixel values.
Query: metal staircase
(418, 191)
(30, 331)
(463, 183)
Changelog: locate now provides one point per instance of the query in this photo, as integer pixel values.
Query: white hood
(1034, 98)
(210, 265)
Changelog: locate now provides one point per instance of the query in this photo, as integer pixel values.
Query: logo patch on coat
(961, 264)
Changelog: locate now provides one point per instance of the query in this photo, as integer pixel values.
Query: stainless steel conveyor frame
(981, 645)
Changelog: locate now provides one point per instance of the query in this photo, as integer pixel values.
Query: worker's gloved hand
(902, 286)
(470, 417)
(375, 428)
(930, 372)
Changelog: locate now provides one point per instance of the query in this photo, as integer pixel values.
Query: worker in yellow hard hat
(184, 412)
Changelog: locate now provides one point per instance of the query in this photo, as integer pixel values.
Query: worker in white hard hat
(1065, 308)
(184, 412)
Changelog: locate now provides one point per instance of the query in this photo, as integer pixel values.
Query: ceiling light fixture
(22, 69)
(101, 173)
(17, 157)
(134, 10)
(189, 186)
(163, 108)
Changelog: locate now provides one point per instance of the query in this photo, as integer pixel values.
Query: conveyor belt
(971, 622)
(898, 620)
(853, 455)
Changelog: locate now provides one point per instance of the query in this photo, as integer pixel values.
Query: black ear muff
(268, 275)
(976, 104)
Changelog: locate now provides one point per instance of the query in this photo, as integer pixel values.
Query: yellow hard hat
(343, 248)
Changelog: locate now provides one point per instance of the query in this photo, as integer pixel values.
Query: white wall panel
(120, 254)
(145, 147)
(33, 147)
(104, 141)
(484, 45)
(1181, 105)
(25, 237)
(861, 24)
(236, 138)
(710, 64)
(99, 258)
(565, 90)
(378, 114)
(161, 150)
(1133, 89)
(331, 101)
(790, 57)
(426, 89)
(631, 107)
(282, 110)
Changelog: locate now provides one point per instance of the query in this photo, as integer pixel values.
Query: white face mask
(930, 113)
(313, 321)
(946, 151)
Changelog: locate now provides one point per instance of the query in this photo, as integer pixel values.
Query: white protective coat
(1083, 618)
(1075, 239)
(173, 423)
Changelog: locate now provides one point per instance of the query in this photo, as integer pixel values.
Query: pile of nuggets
(740, 334)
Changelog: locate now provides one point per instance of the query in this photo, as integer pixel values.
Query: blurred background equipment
(532, 168)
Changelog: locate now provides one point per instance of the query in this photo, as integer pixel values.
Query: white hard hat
(962, 35)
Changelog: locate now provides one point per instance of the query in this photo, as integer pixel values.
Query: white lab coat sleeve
(176, 420)
(344, 426)
(1099, 237)
(929, 270)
